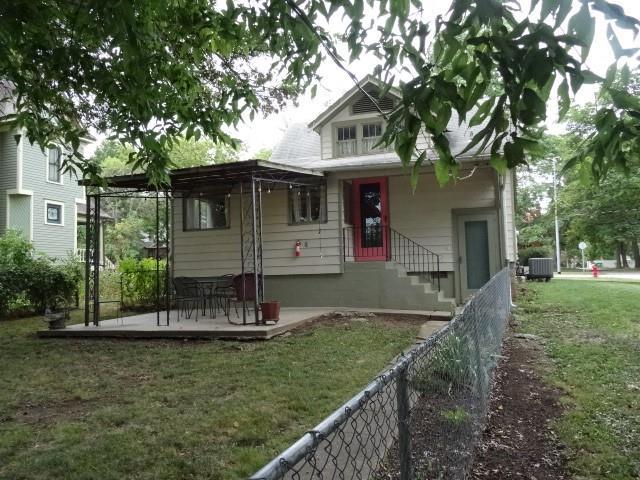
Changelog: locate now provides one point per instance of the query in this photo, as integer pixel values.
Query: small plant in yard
(450, 368)
(457, 417)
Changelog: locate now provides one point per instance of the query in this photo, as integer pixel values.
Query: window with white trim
(371, 133)
(54, 164)
(308, 204)
(346, 141)
(53, 213)
(362, 137)
(206, 213)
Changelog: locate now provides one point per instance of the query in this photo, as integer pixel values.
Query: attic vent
(365, 105)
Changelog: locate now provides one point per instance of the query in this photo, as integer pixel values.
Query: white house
(360, 228)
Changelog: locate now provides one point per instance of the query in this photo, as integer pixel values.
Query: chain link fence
(419, 418)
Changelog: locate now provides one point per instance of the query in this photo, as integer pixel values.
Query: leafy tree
(135, 218)
(263, 154)
(607, 215)
(148, 71)
(604, 212)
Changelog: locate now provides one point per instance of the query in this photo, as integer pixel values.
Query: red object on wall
(297, 249)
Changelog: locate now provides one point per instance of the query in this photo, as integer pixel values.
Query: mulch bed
(518, 441)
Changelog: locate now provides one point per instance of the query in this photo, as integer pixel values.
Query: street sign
(582, 246)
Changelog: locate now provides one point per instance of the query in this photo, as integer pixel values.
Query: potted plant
(270, 311)
(57, 313)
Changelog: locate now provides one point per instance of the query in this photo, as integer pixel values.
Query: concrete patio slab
(145, 326)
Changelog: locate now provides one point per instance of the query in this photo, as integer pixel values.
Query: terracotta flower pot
(270, 311)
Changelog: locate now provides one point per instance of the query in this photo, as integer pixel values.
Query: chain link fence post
(404, 434)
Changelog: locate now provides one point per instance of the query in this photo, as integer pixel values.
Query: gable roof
(336, 106)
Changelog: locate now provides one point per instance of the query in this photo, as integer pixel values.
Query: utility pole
(555, 207)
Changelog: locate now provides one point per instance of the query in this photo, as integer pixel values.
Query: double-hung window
(206, 213)
(308, 204)
(346, 141)
(371, 133)
(54, 164)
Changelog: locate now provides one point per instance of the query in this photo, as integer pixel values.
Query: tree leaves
(583, 26)
(146, 74)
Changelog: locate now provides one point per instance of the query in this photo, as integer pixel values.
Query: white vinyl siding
(54, 240)
(426, 216)
(217, 252)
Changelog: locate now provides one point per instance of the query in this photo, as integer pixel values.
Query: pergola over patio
(245, 178)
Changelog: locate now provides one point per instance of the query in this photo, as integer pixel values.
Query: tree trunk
(618, 255)
(635, 248)
(623, 251)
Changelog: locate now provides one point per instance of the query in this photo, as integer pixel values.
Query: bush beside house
(30, 282)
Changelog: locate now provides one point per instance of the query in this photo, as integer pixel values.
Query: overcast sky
(265, 132)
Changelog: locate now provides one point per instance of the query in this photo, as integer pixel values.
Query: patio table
(208, 286)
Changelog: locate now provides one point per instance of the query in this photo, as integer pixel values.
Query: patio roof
(189, 179)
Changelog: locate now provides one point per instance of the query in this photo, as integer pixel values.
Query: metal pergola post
(157, 258)
(254, 235)
(92, 261)
(167, 280)
(242, 258)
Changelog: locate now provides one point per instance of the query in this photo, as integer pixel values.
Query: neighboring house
(337, 222)
(36, 197)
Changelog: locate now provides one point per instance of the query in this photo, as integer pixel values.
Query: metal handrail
(383, 242)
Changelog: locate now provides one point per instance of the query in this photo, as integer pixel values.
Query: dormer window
(371, 133)
(347, 141)
(358, 139)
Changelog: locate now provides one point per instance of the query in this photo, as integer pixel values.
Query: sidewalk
(627, 276)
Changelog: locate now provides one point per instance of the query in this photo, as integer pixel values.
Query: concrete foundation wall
(362, 285)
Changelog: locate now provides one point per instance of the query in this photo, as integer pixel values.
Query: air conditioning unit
(540, 268)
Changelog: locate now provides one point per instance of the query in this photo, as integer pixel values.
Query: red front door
(371, 217)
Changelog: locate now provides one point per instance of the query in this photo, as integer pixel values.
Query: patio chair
(235, 293)
(189, 296)
(223, 292)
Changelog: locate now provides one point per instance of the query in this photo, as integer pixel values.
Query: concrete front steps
(387, 285)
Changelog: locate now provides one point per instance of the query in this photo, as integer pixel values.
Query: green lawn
(593, 337)
(103, 409)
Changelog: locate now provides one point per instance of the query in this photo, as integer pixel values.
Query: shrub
(138, 279)
(29, 281)
(532, 252)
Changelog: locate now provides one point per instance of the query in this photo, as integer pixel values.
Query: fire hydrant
(594, 270)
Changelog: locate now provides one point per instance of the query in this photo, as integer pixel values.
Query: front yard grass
(592, 333)
(113, 409)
